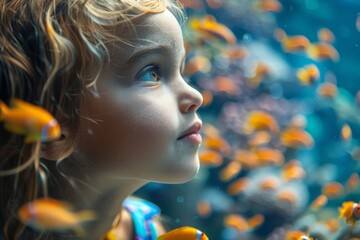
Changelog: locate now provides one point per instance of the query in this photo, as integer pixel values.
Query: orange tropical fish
(332, 189)
(345, 132)
(197, 64)
(297, 235)
(327, 90)
(48, 214)
(325, 35)
(184, 233)
(236, 221)
(210, 27)
(230, 171)
(266, 156)
(259, 138)
(216, 143)
(319, 202)
(269, 183)
(227, 85)
(204, 208)
(350, 211)
(210, 157)
(292, 171)
(269, 6)
(321, 51)
(287, 195)
(246, 158)
(308, 75)
(256, 221)
(295, 43)
(260, 120)
(296, 138)
(352, 182)
(332, 225)
(34, 122)
(207, 98)
(261, 70)
(238, 186)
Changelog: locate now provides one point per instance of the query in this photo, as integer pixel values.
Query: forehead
(152, 31)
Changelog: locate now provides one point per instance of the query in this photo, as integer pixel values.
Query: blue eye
(150, 74)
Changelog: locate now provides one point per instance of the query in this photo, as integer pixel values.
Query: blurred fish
(256, 221)
(292, 171)
(308, 75)
(210, 157)
(321, 51)
(238, 186)
(267, 156)
(230, 171)
(297, 43)
(183, 233)
(332, 189)
(237, 222)
(268, 5)
(48, 214)
(269, 183)
(261, 70)
(297, 235)
(260, 120)
(357, 23)
(259, 138)
(210, 28)
(235, 52)
(217, 143)
(352, 182)
(296, 138)
(204, 208)
(327, 90)
(332, 225)
(196, 64)
(30, 120)
(246, 158)
(227, 85)
(325, 35)
(287, 195)
(350, 211)
(319, 202)
(345, 132)
(207, 98)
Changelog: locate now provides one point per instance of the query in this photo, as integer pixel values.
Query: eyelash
(147, 71)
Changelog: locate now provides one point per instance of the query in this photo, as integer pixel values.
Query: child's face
(144, 107)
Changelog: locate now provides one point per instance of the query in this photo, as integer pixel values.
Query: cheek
(131, 135)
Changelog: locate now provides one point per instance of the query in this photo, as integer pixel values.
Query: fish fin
(86, 215)
(3, 110)
(14, 128)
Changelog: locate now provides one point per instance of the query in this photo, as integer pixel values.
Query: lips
(193, 129)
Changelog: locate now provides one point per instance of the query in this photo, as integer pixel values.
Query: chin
(180, 173)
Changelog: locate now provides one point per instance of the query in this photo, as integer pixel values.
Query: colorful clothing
(143, 214)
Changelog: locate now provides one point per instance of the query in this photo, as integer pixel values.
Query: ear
(58, 149)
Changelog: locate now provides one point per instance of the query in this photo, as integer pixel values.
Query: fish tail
(3, 110)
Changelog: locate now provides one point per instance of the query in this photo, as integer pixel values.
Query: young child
(110, 72)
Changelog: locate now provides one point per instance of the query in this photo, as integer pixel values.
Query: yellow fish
(48, 214)
(297, 235)
(184, 233)
(350, 211)
(27, 119)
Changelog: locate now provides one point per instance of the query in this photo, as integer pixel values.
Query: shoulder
(145, 216)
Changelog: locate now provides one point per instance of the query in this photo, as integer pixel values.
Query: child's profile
(110, 72)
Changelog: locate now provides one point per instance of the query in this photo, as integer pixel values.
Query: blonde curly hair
(47, 48)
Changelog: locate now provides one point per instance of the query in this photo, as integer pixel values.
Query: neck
(102, 194)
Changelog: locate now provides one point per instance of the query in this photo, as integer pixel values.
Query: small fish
(269, 6)
(231, 170)
(207, 98)
(197, 64)
(297, 235)
(256, 221)
(333, 189)
(296, 138)
(269, 156)
(292, 171)
(236, 221)
(319, 202)
(48, 214)
(260, 120)
(184, 233)
(287, 196)
(297, 43)
(308, 75)
(325, 35)
(204, 208)
(345, 132)
(210, 157)
(238, 186)
(269, 183)
(327, 90)
(350, 211)
(321, 51)
(227, 85)
(30, 120)
(209, 27)
(352, 182)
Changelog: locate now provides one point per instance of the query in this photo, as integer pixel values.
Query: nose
(190, 99)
